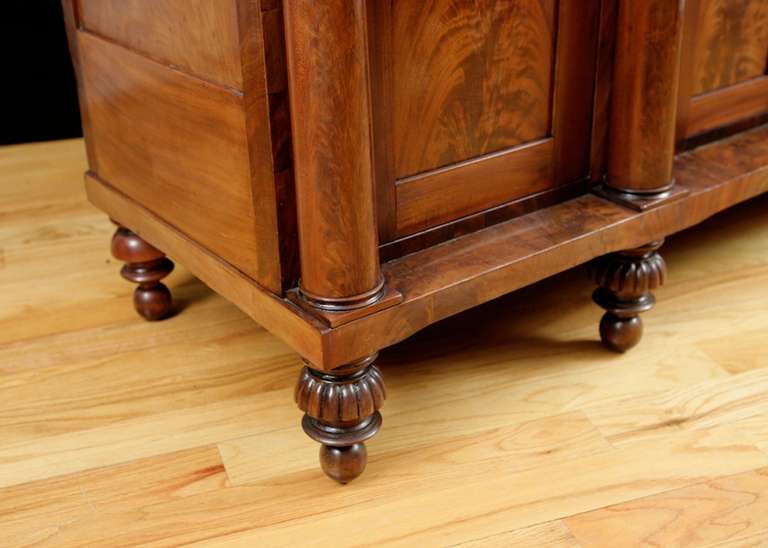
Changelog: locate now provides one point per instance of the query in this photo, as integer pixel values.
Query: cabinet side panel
(197, 36)
(178, 146)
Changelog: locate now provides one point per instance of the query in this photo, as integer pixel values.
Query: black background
(37, 86)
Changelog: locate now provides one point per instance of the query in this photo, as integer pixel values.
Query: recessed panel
(731, 43)
(469, 77)
(178, 146)
(198, 36)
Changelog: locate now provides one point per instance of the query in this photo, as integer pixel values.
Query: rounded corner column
(644, 96)
(328, 68)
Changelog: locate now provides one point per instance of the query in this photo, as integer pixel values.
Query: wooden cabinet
(351, 171)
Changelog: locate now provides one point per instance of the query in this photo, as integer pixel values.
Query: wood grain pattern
(89, 498)
(731, 43)
(446, 279)
(147, 127)
(327, 51)
(729, 509)
(450, 193)
(454, 135)
(302, 330)
(723, 69)
(442, 281)
(470, 77)
(127, 455)
(720, 108)
(645, 83)
(573, 99)
(198, 36)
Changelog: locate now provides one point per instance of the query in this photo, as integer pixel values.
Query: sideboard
(348, 172)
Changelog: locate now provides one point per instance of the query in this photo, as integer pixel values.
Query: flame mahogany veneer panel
(471, 77)
(477, 103)
(724, 64)
(732, 43)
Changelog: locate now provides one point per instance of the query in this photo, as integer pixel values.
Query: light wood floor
(507, 425)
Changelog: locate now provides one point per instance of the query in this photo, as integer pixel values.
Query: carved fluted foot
(145, 266)
(626, 281)
(341, 412)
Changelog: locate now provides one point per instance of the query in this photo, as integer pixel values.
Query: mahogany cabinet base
(340, 390)
(145, 265)
(437, 282)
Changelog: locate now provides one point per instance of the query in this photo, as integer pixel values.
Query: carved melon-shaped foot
(341, 412)
(626, 281)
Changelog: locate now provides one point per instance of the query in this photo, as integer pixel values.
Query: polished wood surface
(145, 122)
(443, 195)
(739, 102)
(341, 411)
(326, 47)
(440, 281)
(731, 43)
(458, 134)
(199, 36)
(145, 266)
(626, 281)
(723, 76)
(476, 106)
(449, 278)
(184, 432)
(644, 92)
(210, 155)
(439, 119)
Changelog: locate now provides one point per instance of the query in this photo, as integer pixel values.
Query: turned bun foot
(343, 464)
(620, 334)
(145, 265)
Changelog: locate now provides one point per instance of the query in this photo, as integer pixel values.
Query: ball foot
(343, 464)
(153, 303)
(620, 334)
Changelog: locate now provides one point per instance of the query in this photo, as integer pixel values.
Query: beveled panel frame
(408, 206)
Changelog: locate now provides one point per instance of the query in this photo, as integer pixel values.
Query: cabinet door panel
(732, 43)
(725, 53)
(466, 104)
(471, 78)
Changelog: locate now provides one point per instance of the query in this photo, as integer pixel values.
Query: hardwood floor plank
(506, 449)
(44, 513)
(697, 406)
(554, 534)
(435, 512)
(146, 436)
(721, 510)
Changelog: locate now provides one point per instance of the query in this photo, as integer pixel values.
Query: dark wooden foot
(626, 280)
(341, 412)
(146, 266)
